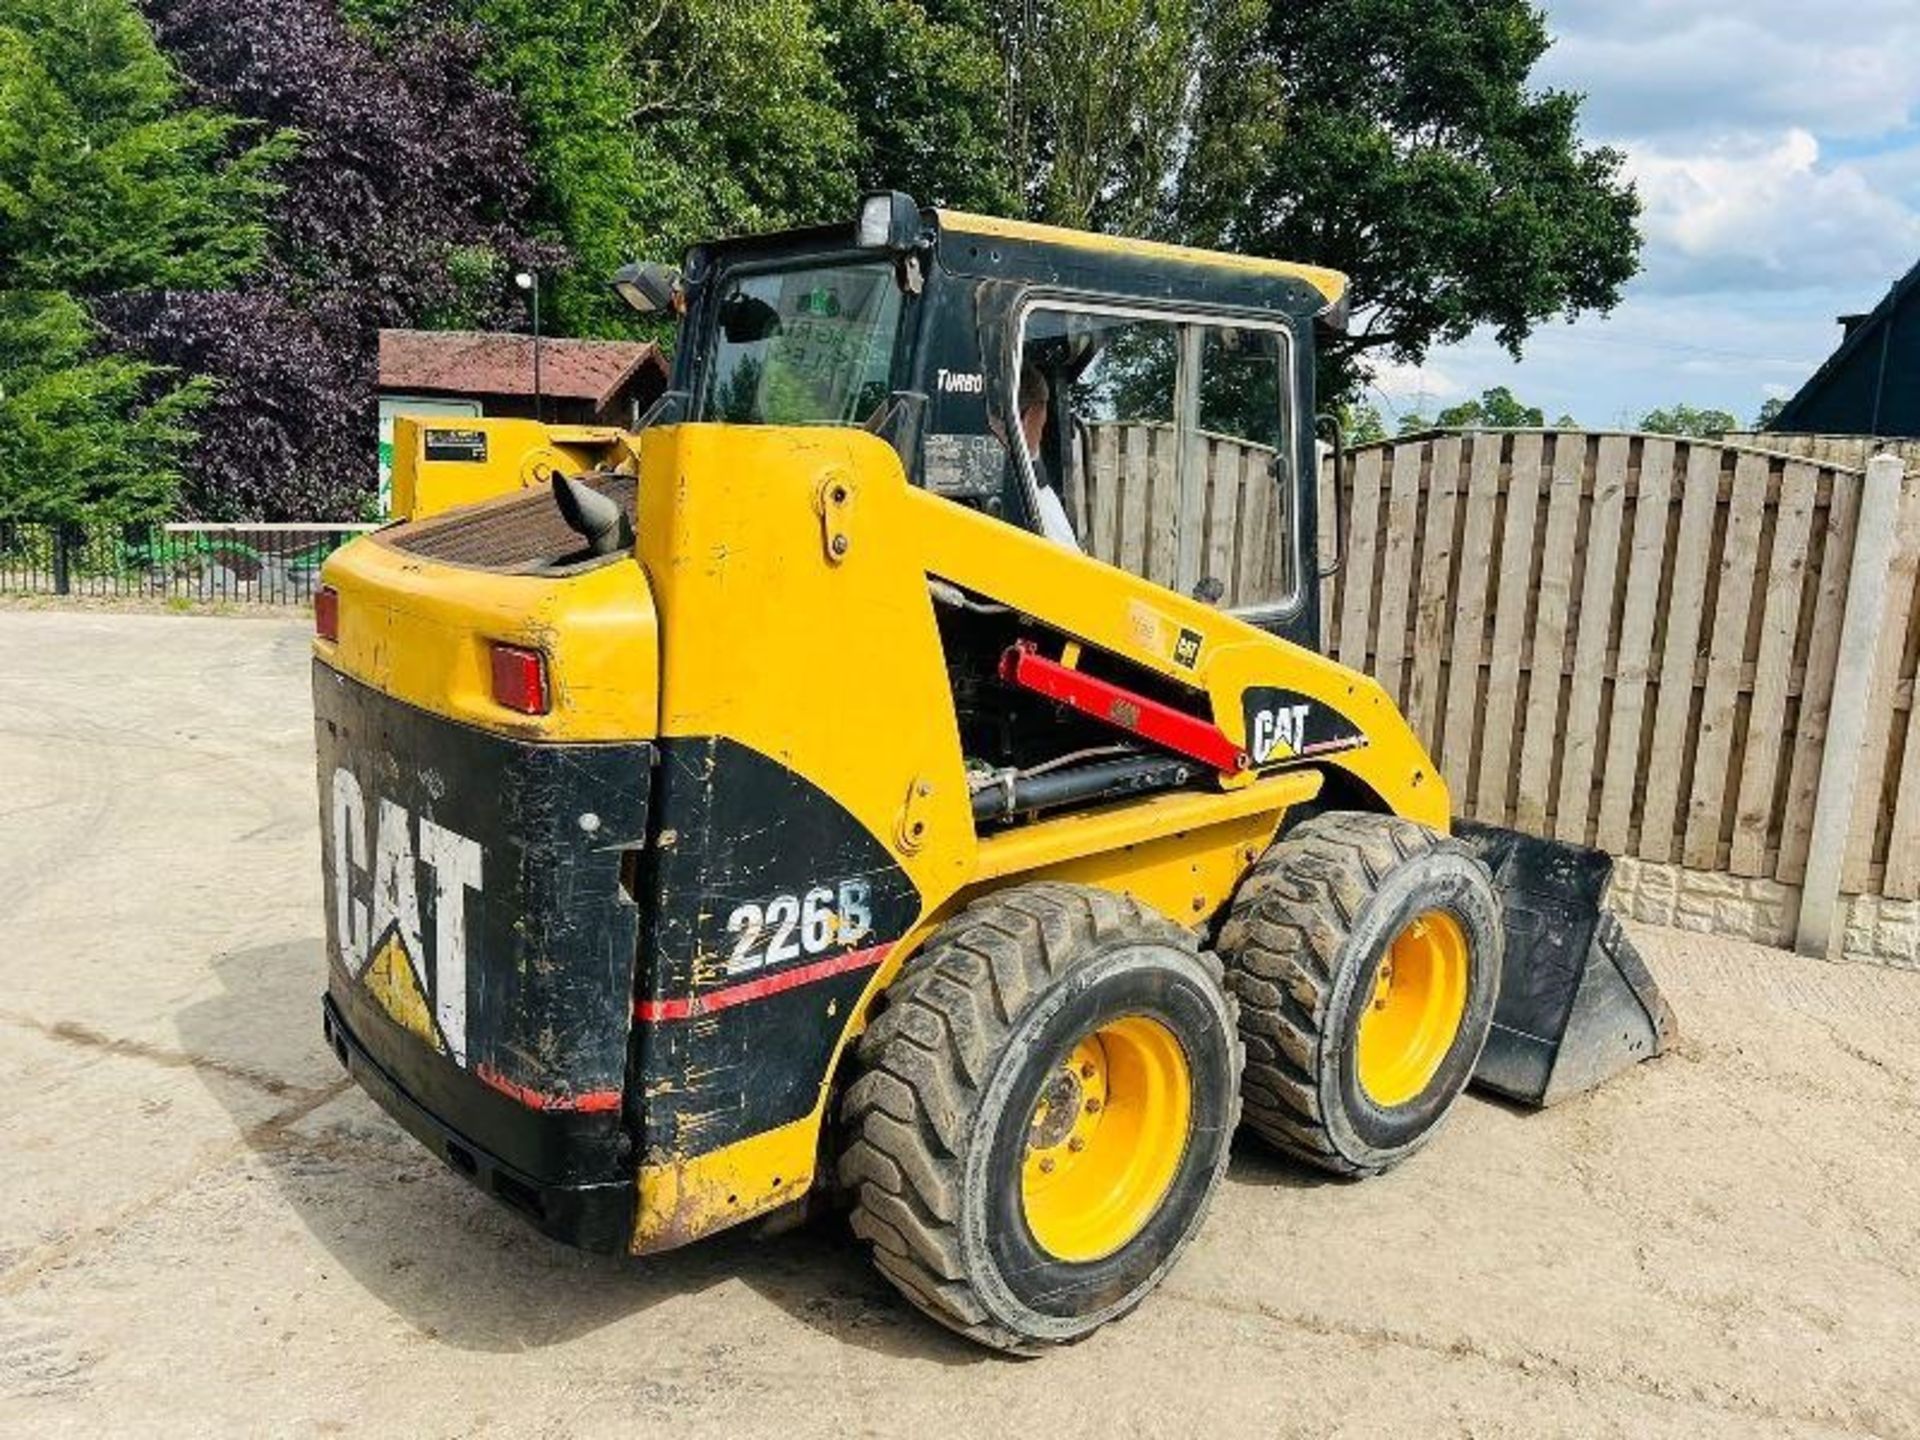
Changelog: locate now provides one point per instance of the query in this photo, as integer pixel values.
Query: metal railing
(253, 564)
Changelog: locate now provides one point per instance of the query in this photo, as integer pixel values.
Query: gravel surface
(204, 1230)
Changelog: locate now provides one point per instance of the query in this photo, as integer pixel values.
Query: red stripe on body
(685, 1007)
(587, 1104)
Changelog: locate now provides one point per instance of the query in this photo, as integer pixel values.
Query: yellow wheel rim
(1106, 1139)
(1419, 996)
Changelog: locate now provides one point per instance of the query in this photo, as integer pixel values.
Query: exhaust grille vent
(516, 534)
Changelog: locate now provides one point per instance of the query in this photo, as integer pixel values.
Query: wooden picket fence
(1631, 641)
(1176, 519)
(1850, 450)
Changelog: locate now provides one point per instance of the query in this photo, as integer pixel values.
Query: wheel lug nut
(1086, 1071)
(1093, 1104)
(1046, 1164)
(1076, 1144)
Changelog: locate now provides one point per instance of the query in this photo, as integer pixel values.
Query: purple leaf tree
(406, 203)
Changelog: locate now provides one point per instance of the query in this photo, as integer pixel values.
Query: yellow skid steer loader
(905, 770)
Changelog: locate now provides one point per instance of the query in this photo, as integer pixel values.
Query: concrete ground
(203, 1230)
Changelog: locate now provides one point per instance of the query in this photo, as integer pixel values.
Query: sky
(1776, 148)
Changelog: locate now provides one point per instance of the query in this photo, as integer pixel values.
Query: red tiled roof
(482, 362)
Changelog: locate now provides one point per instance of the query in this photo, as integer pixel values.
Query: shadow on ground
(457, 1265)
(463, 1269)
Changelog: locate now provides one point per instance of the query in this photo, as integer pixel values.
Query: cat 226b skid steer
(903, 770)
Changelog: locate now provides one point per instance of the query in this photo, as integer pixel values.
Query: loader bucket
(1577, 1004)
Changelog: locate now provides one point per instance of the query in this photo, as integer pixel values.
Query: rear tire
(1350, 1066)
(1043, 1008)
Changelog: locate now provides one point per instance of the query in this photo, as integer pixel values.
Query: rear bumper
(592, 1215)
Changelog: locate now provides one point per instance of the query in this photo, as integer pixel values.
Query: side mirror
(1331, 425)
(648, 288)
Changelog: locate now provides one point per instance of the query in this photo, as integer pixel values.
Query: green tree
(1495, 409)
(83, 436)
(1103, 99)
(1770, 409)
(1686, 420)
(659, 123)
(1402, 142)
(108, 183)
(569, 64)
(741, 124)
(1364, 425)
(926, 89)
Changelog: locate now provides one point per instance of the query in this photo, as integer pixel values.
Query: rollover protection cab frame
(968, 281)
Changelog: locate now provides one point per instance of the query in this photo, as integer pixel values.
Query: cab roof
(1250, 274)
(1331, 284)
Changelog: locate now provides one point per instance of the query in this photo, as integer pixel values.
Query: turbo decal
(1284, 725)
(960, 382)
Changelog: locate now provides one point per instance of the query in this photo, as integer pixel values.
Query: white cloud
(1776, 147)
(1414, 387)
(1895, 171)
(1743, 215)
(1661, 67)
(1726, 351)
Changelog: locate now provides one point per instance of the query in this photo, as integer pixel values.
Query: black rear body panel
(495, 1032)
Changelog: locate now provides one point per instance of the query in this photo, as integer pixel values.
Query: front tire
(1042, 1113)
(1365, 951)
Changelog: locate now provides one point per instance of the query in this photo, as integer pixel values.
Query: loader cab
(1150, 405)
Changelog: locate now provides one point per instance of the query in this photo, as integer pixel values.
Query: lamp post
(528, 281)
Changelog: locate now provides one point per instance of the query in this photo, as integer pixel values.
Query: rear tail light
(326, 612)
(520, 679)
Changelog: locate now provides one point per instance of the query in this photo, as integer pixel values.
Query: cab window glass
(1126, 370)
(1086, 380)
(1165, 447)
(1244, 449)
(803, 347)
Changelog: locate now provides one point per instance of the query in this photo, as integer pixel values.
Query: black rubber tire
(1302, 942)
(935, 1123)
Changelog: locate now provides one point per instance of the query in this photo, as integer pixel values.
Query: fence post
(62, 579)
(1873, 543)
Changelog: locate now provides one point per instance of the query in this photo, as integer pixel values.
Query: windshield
(803, 347)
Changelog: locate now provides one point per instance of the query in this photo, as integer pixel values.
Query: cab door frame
(1296, 617)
